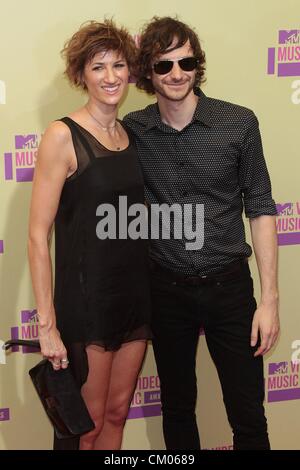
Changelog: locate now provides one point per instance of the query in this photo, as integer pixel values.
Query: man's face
(176, 84)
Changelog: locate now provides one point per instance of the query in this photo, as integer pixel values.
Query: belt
(229, 271)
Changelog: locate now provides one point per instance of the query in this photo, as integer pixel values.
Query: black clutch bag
(60, 396)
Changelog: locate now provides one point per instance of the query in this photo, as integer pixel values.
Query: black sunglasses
(187, 64)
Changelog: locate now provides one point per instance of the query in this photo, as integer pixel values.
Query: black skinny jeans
(225, 310)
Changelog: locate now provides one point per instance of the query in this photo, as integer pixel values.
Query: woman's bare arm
(52, 168)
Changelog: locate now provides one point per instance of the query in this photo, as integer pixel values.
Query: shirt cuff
(257, 207)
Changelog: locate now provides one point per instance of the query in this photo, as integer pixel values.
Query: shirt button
(181, 163)
(184, 193)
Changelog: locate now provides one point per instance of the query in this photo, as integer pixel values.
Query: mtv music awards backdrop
(253, 59)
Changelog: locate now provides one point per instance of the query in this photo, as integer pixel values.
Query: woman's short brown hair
(91, 38)
(156, 38)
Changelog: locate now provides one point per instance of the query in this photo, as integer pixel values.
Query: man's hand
(266, 322)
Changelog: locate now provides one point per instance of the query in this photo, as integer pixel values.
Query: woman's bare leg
(126, 365)
(95, 391)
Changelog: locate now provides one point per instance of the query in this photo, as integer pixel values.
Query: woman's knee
(116, 413)
(87, 440)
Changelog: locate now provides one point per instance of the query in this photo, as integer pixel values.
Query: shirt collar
(203, 113)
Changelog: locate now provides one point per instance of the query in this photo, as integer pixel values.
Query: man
(198, 150)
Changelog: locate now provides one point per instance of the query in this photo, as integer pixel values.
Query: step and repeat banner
(253, 59)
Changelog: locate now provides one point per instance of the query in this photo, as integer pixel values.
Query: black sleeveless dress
(101, 294)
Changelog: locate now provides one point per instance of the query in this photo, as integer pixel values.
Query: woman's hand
(52, 347)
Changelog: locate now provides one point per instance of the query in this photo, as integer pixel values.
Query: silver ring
(65, 361)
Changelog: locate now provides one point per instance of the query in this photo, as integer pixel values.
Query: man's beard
(179, 96)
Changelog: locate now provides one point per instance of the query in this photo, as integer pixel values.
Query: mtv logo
(29, 316)
(29, 141)
(284, 208)
(4, 414)
(289, 36)
(278, 368)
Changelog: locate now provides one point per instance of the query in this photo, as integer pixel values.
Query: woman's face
(106, 77)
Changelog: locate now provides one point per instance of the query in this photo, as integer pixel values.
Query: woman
(98, 319)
